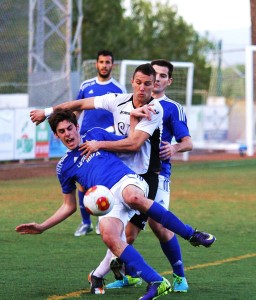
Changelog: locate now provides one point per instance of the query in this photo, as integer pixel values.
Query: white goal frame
(189, 83)
(249, 96)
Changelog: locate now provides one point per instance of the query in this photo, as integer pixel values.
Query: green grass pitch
(219, 197)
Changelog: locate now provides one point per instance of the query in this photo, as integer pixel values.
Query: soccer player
(142, 152)
(102, 84)
(129, 190)
(174, 126)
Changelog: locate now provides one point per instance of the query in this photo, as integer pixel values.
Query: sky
(225, 20)
(214, 15)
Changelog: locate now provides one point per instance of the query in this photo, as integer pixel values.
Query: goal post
(182, 87)
(250, 64)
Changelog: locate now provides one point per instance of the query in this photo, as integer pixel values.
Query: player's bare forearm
(65, 210)
(77, 105)
(132, 143)
(37, 116)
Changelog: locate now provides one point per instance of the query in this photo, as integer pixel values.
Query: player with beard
(102, 84)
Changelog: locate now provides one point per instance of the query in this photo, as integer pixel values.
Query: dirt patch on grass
(27, 169)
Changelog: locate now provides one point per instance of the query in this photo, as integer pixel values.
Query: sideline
(77, 294)
(216, 263)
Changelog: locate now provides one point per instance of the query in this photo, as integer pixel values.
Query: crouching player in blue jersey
(129, 190)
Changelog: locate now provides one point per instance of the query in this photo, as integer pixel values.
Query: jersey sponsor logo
(91, 92)
(86, 84)
(83, 159)
(75, 159)
(124, 112)
(60, 164)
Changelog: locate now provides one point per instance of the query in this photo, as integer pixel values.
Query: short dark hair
(163, 63)
(145, 69)
(105, 53)
(60, 115)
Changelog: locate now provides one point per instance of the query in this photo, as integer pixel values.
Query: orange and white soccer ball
(98, 200)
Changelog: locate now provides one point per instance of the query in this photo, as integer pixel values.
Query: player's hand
(37, 116)
(166, 150)
(89, 147)
(143, 112)
(30, 228)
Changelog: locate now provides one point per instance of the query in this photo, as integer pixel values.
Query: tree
(147, 33)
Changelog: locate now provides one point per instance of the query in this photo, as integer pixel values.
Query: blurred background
(48, 47)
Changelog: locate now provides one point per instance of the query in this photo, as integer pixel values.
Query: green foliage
(147, 33)
(215, 196)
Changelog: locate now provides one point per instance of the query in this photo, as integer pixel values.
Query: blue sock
(134, 261)
(86, 217)
(169, 221)
(172, 251)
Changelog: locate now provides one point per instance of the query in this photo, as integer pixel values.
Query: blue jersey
(101, 167)
(100, 117)
(174, 126)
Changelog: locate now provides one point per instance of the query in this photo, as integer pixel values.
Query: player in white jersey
(107, 169)
(102, 84)
(174, 126)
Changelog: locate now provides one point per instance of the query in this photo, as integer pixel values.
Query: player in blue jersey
(129, 190)
(102, 84)
(174, 127)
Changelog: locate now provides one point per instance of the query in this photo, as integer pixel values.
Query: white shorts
(163, 192)
(120, 209)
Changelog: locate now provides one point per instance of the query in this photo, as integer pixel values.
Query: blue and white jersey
(101, 167)
(174, 126)
(100, 117)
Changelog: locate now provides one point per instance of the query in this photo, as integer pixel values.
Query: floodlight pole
(39, 21)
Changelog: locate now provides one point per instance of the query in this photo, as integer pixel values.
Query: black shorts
(152, 180)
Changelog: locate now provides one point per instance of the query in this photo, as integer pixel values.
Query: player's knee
(109, 240)
(134, 199)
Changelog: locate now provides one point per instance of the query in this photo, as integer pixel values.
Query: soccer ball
(98, 200)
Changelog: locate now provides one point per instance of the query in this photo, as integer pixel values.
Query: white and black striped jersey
(147, 159)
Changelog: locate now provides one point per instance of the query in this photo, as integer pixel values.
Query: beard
(104, 76)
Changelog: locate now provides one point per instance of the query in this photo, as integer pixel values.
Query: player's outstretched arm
(66, 209)
(39, 115)
(132, 143)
